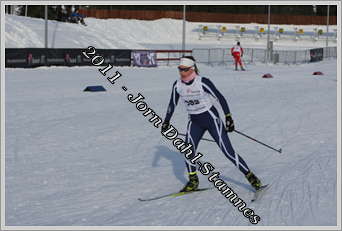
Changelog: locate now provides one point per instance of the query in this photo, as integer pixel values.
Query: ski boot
(255, 182)
(193, 183)
(243, 69)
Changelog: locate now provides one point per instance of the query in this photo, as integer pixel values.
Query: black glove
(229, 123)
(165, 126)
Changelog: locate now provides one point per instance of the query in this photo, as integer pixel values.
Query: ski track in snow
(76, 158)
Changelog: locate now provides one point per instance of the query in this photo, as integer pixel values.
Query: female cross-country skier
(196, 92)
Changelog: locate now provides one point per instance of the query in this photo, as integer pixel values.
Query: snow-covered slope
(131, 34)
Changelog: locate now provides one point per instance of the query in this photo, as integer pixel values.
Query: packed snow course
(77, 158)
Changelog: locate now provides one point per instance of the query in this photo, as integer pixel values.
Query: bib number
(192, 102)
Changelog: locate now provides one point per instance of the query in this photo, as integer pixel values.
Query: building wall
(210, 17)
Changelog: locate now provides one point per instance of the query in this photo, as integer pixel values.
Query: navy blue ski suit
(203, 116)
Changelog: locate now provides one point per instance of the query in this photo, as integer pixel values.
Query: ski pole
(244, 63)
(201, 139)
(278, 150)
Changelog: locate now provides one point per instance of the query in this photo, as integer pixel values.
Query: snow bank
(132, 34)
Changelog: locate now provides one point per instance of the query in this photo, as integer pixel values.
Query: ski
(175, 194)
(260, 192)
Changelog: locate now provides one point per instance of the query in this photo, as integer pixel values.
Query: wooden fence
(210, 17)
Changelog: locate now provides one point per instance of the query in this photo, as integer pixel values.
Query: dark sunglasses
(184, 69)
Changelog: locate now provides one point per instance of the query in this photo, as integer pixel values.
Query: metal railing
(214, 56)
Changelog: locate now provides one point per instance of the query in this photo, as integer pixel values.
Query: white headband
(186, 62)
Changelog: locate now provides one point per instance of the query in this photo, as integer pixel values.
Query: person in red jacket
(237, 53)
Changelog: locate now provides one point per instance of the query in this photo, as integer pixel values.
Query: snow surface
(76, 158)
(135, 34)
(83, 159)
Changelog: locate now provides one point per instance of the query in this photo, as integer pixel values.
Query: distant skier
(237, 53)
(197, 93)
